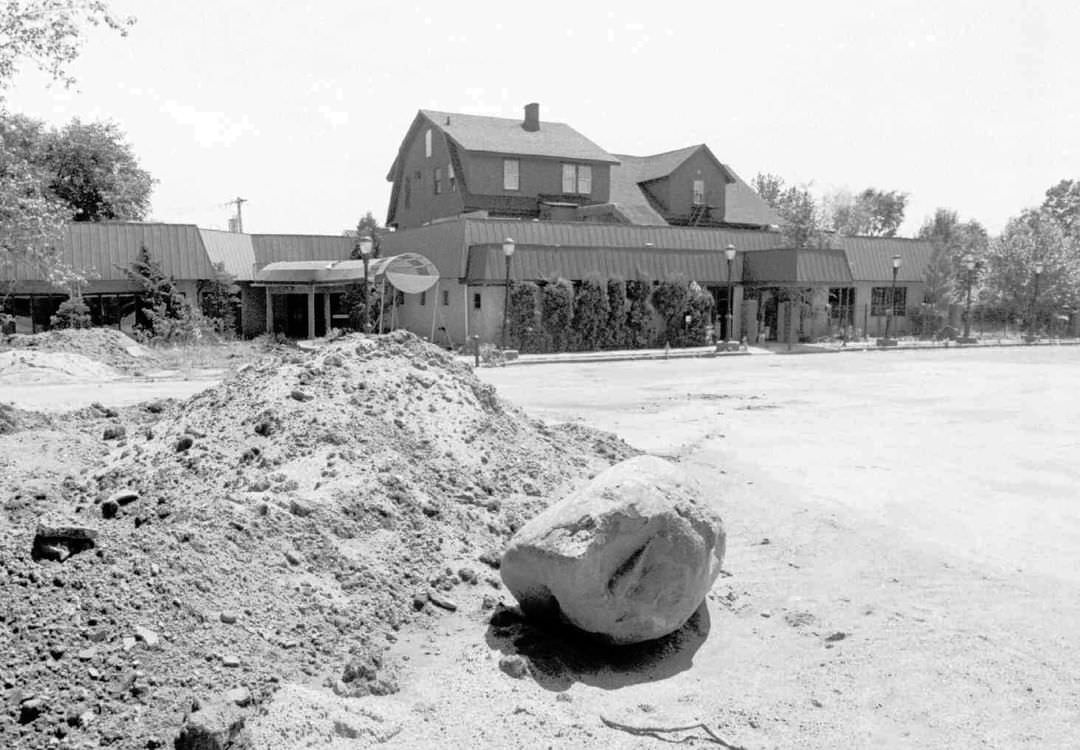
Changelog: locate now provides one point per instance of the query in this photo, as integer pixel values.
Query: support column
(311, 312)
(326, 313)
(269, 312)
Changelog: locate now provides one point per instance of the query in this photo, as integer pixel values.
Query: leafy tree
(557, 311)
(48, 34)
(368, 226)
(800, 214)
(1033, 237)
(91, 168)
(699, 305)
(1063, 204)
(156, 294)
(952, 239)
(872, 213)
(590, 312)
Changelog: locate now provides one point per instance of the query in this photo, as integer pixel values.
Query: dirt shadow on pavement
(560, 655)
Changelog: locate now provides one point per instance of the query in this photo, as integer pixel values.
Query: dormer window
(427, 143)
(577, 178)
(699, 192)
(451, 180)
(511, 169)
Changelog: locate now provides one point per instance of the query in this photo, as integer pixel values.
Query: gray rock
(59, 538)
(442, 601)
(147, 636)
(515, 665)
(241, 696)
(630, 556)
(216, 726)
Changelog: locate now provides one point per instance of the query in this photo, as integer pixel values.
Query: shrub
(220, 300)
(556, 312)
(524, 330)
(639, 327)
(185, 325)
(72, 313)
(699, 306)
(670, 299)
(614, 335)
(590, 313)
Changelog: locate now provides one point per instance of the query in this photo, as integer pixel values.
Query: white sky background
(300, 107)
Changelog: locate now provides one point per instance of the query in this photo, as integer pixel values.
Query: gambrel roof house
(451, 164)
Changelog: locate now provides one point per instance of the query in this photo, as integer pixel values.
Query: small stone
(766, 614)
(515, 665)
(124, 497)
(147, 636)
(56, 652)
(230, 660)
(293, 558)
(228, 617)
(468, 575)
(298, 508)
(419, 601)
(109, 509)
(87, 654)
(837, 636)
(30, 709)
(442, 601)
(241, 696)
(299, 395)
(183, 443)
(98, 635)
(491, 558)
(113, 432)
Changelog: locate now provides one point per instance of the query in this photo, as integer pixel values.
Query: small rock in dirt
(300, 395)
(123, 497)
(298, 508)
(155, 407)
(293, 558)
(228, 617)
(837, 636)
(109, 509)
(113, 432)
(87, 654)
(491, 558)
(230, 660)
(183, 443)
(147, 636)
(58, 539)
(241, 696)
(30, 709)
(468, 575)
(216, 726)
(515, 665)
(419, 601)
(442, 601)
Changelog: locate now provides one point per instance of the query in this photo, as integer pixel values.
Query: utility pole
(239, 213)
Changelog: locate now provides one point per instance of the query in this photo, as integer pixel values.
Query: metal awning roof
(409, 272)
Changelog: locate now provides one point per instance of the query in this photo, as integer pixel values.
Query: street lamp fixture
(508, 247)
(729, 254)
(968, 261)
(897, 261)
(365, 246)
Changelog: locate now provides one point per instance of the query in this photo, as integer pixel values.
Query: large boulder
(630, 556)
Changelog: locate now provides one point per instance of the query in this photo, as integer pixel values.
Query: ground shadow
(560, 655)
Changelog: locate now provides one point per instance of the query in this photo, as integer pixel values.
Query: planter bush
(639, 327)
(615, 330)
(590, 313)
(557, 312)
(72, 313)
(524, 330)
(670, 299)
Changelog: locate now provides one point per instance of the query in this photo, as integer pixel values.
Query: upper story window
(699, 192)
(427, 143)
(511, 169)
(437, 180)
(577, 178)
(451, 179)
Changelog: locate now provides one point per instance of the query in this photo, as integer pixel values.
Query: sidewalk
(767, 348)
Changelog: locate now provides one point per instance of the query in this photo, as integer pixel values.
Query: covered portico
(409, 273)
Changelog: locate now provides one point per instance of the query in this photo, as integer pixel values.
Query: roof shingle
(504, 135)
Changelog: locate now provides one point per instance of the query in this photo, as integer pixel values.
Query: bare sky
(300, 107)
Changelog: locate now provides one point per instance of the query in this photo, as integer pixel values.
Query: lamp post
(729, 253)
(508, 253)
(896, 261)
(1032, 323)
(969, 263)
(365, 245)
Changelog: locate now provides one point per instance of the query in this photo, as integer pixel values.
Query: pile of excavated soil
(25, 366)
(106, 345)
(278, 527)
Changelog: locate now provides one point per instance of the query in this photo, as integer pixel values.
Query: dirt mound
(31, 366)
(106, 345)
(277, 527)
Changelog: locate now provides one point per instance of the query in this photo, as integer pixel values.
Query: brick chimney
(532, 117)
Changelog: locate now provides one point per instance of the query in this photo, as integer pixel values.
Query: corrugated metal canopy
(232, 250)
(530, 263)
(871, 257)
(804, 266)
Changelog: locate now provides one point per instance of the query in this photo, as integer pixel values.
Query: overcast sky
(300, 107)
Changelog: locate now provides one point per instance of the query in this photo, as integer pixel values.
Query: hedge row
(606, 314)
